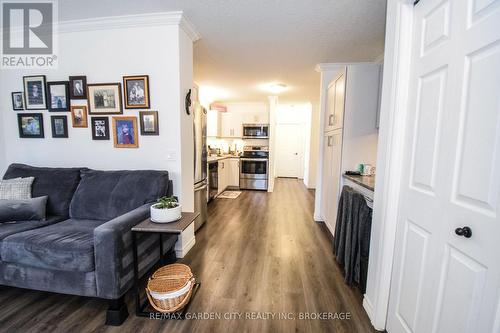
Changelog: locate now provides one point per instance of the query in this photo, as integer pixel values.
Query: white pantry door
(442, 281)
(288, 150)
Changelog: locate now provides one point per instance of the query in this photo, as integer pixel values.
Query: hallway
(258, 255)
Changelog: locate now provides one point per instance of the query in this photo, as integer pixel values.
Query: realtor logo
(28, 36)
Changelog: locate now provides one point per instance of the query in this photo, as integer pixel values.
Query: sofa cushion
(66, 246)
(58, 184)
(104, 195)
(23, 210)
(16, 188)
(10, 228)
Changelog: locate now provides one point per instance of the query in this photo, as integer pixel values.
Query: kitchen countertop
(212, 159)
(367, 182)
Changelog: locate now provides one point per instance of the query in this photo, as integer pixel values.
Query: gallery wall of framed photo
(103, 55)
(120, 100)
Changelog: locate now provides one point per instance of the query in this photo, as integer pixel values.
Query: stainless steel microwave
(255, 131)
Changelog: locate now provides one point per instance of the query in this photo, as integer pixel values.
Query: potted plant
(167, 209)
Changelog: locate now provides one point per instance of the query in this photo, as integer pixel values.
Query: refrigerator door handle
(201, 186)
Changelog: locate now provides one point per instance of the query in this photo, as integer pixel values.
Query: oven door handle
(254, 159)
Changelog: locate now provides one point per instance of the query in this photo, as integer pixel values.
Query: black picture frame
(22, 121)
(14, 101)
(145, 102)
(95, 90)
(146, 127)
(55, 128)
(63, 102)
(32, 102)
(74, 82)
(99, 121)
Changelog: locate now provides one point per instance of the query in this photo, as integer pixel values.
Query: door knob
(465, 231)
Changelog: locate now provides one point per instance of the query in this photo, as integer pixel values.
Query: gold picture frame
(125, 132)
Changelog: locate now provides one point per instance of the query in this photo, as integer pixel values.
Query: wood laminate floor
(258, 255)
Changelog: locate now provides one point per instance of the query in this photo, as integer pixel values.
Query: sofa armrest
(113, 253)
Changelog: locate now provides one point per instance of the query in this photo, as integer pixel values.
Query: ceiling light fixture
(273, 88)
(277, 88)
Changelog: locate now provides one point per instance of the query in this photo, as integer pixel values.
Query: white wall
(186, 142)
(273, 110)
(251, 112)
(3, 162)
(105, 55)
(360, 137)
(311, 176)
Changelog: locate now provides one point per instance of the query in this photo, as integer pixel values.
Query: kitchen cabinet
(332, 161)
(222, 175)
(233, 172)
(350, 104)
(231, 123)
(213, 123)
(335, 95)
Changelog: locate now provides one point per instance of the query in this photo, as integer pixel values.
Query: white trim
(369, 310)
(130, 21)
(328, 67)
(390, 154)
(185, 241)
(379, 59)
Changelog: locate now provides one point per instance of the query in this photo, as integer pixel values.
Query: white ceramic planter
(165, 215)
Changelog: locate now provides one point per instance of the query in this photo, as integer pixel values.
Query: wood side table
(184, 225)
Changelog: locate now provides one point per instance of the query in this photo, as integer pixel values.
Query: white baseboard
(185, 242)
(367, 305)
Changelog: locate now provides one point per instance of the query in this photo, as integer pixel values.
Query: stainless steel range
(254, 168)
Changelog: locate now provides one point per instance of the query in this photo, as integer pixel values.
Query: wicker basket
(170, 287)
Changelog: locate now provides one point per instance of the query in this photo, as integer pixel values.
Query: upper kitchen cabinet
(335, 95)
(214, 127)
(232, 123)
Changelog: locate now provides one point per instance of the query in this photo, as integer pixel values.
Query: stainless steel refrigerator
(200, 164)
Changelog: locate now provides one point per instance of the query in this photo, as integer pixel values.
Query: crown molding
(326, 67)
(131, 21)
(188, 27)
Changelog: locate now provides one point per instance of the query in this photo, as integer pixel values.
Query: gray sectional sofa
(84, 246)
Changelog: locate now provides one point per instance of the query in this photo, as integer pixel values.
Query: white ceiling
(250, 42)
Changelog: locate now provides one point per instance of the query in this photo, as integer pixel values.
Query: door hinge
(415, 2)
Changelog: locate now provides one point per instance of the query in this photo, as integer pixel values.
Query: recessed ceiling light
(273, 88)
(276, 88)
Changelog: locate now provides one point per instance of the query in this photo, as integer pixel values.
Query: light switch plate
(171, 155)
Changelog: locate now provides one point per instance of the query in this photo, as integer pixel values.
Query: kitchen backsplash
(234, 144)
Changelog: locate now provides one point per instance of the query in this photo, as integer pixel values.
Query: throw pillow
(16, 189)
(23, 210)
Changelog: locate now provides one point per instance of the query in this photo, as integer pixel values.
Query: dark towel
(352, 236)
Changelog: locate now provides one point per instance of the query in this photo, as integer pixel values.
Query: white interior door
(288, 150)
(443, 281)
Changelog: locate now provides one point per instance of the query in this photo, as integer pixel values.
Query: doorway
(289, 152)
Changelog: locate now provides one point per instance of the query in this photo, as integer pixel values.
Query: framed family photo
(34, 92)
(149, 122)
(78, 87)
(104, 98)
(58, 96)
(125, 132)
(100, 128)
(79, 116)
(136, 91)
(30, 125)
(18, 101)
(59, 125)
